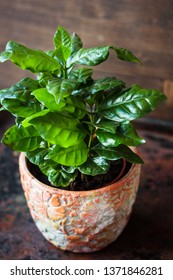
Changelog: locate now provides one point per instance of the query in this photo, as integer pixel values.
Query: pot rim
(113, 185)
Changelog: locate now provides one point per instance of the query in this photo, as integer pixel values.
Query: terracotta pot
(80, 221)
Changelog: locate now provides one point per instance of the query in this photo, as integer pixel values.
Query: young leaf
(125, 55)
(130, 104)
(62, 42)
(71, 156)
(90, 57)
(94, 165)
(33, 60)
(59, 128)
(21, 139)
(76, 43)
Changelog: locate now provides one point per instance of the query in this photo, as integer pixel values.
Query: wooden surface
(148, 234)
(143, 26)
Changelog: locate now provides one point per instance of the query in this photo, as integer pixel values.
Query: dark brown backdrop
(143, 26)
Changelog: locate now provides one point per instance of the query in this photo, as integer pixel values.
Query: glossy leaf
(20, 90)
(80, 74)
(107, 125)
(62, 42)
(33, 60)
(37, 156)
(25, 122)
(90, 57)
(76, 43)
(67, 122)
(108, 139)
(125, 134)
(76, 106)
(21, 139)
(130, 104)
(71, 156)
(115, 153)
(48, 100)
(56, 175)
(106, 84)
(61, 88)
(18, 108)
(59, 128)
(60, 178)
(125, 55)
(68, 169)
(94, 165)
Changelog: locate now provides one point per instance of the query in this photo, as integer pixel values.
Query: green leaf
(107, 125)
(59, 128)
(115, 153)
(60, 178)
(76, 43)
(107, 139)
(33, 60)
(90, 57)
(76, 106)
(61, 88)
(94, 165)
(57, 176)
(80, 74)
(47, 99)
(128, 135)
(20, 90)
(43, 78)
(68, 169)
(125, 134)
(37, 156)
(21, 139)
(18, 108)
(26, 122)
(130, 104)
(106, 84)
(125, 55)
(62, 42)
(71, 156)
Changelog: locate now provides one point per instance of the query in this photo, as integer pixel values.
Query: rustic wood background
(143, 26)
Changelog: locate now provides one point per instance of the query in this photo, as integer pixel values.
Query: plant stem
(91, 134)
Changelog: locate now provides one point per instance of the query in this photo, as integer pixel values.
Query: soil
(89, 182)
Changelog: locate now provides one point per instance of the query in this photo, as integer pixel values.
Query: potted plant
(79, 165)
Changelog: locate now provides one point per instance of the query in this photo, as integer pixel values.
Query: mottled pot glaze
(80, 221)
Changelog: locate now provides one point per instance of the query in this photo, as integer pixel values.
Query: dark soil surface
(88, 182)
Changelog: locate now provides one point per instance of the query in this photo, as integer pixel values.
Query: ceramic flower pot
(80, 221)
